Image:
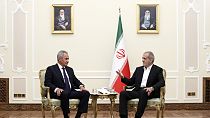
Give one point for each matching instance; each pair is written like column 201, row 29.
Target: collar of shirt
column 61, row 69
column 60, row 66
column 148, row 67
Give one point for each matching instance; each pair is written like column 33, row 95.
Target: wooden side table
column 95, row 96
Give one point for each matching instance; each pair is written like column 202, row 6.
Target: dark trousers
column 83, row 96
column 125, row 96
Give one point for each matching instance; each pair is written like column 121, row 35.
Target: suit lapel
column 151, row 74
column 68, row 72
column 59, row 73
column 141, row 70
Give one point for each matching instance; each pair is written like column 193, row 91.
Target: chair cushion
column 151, row 102
column 56, row 102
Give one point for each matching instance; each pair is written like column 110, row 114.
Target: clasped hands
column 59, row 90
column 147, row 89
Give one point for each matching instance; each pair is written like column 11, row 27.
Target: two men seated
column 147, row 79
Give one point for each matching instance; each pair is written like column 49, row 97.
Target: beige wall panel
column 36, row 89
column 192, row 85
column 172, row 88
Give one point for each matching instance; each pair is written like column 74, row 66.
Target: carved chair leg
column 43, row 110
column 53, row 111
column 158, row 112
column 162, row 111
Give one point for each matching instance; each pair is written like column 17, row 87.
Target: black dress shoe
column 123, row 116
column 78, row 115
column 66, row 116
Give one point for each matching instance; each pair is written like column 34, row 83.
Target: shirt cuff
column 55, row 90
column 81, row 86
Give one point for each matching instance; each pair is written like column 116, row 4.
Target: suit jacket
column 155, row 79
column 54, row 79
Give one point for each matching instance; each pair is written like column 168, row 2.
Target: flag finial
column 119, row 10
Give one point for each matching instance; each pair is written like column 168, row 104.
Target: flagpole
column 119, row 11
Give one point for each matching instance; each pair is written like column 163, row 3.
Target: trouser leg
column 83, row 96
column 143, row 97
column 65, row 103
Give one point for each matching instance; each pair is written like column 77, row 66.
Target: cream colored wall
column 91, row 46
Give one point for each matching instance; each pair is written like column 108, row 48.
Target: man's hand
column 82, row 88
column 59, row 91
column 120, row 74
column 149, row 90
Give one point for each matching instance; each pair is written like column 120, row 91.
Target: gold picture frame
column 62, row 19
column 148, row 18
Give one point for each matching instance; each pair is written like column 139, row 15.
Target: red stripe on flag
column 118, row 86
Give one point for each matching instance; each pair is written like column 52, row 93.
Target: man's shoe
column 123, row 116
column 78, row 115
column 66, row 116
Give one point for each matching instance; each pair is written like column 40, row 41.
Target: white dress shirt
column 145, row 76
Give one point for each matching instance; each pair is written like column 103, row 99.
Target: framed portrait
column 148, row 18
column 62, row 18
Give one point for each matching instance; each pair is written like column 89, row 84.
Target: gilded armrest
column 45, row 92
column 162, row 95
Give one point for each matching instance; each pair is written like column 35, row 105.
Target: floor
column 106, row 114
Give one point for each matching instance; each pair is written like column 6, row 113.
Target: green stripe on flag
column 119, row 32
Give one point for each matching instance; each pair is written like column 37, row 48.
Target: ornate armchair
column 49, row 102
column 158, row 103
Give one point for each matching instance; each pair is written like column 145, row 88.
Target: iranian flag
column 120, row 61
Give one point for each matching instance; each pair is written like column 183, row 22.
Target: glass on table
column 94, row 91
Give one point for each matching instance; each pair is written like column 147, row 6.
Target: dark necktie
column 67, row 86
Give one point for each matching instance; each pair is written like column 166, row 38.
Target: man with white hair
column 147, row 21
column 62, row 21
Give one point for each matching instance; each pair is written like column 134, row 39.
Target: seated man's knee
column 123, row 93
column 86, row 93
column 64, row 95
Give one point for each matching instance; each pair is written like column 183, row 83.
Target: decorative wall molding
column 13, row 89
column 198, row 88
column 19, row 10
column 206, row 44
column 34, row 89
column 4, row 46
column 191, row 68
column 175, row 90
column 1, row 64
column 208, row 62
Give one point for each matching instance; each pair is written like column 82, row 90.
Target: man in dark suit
column 62, row 82
column 147, row 79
